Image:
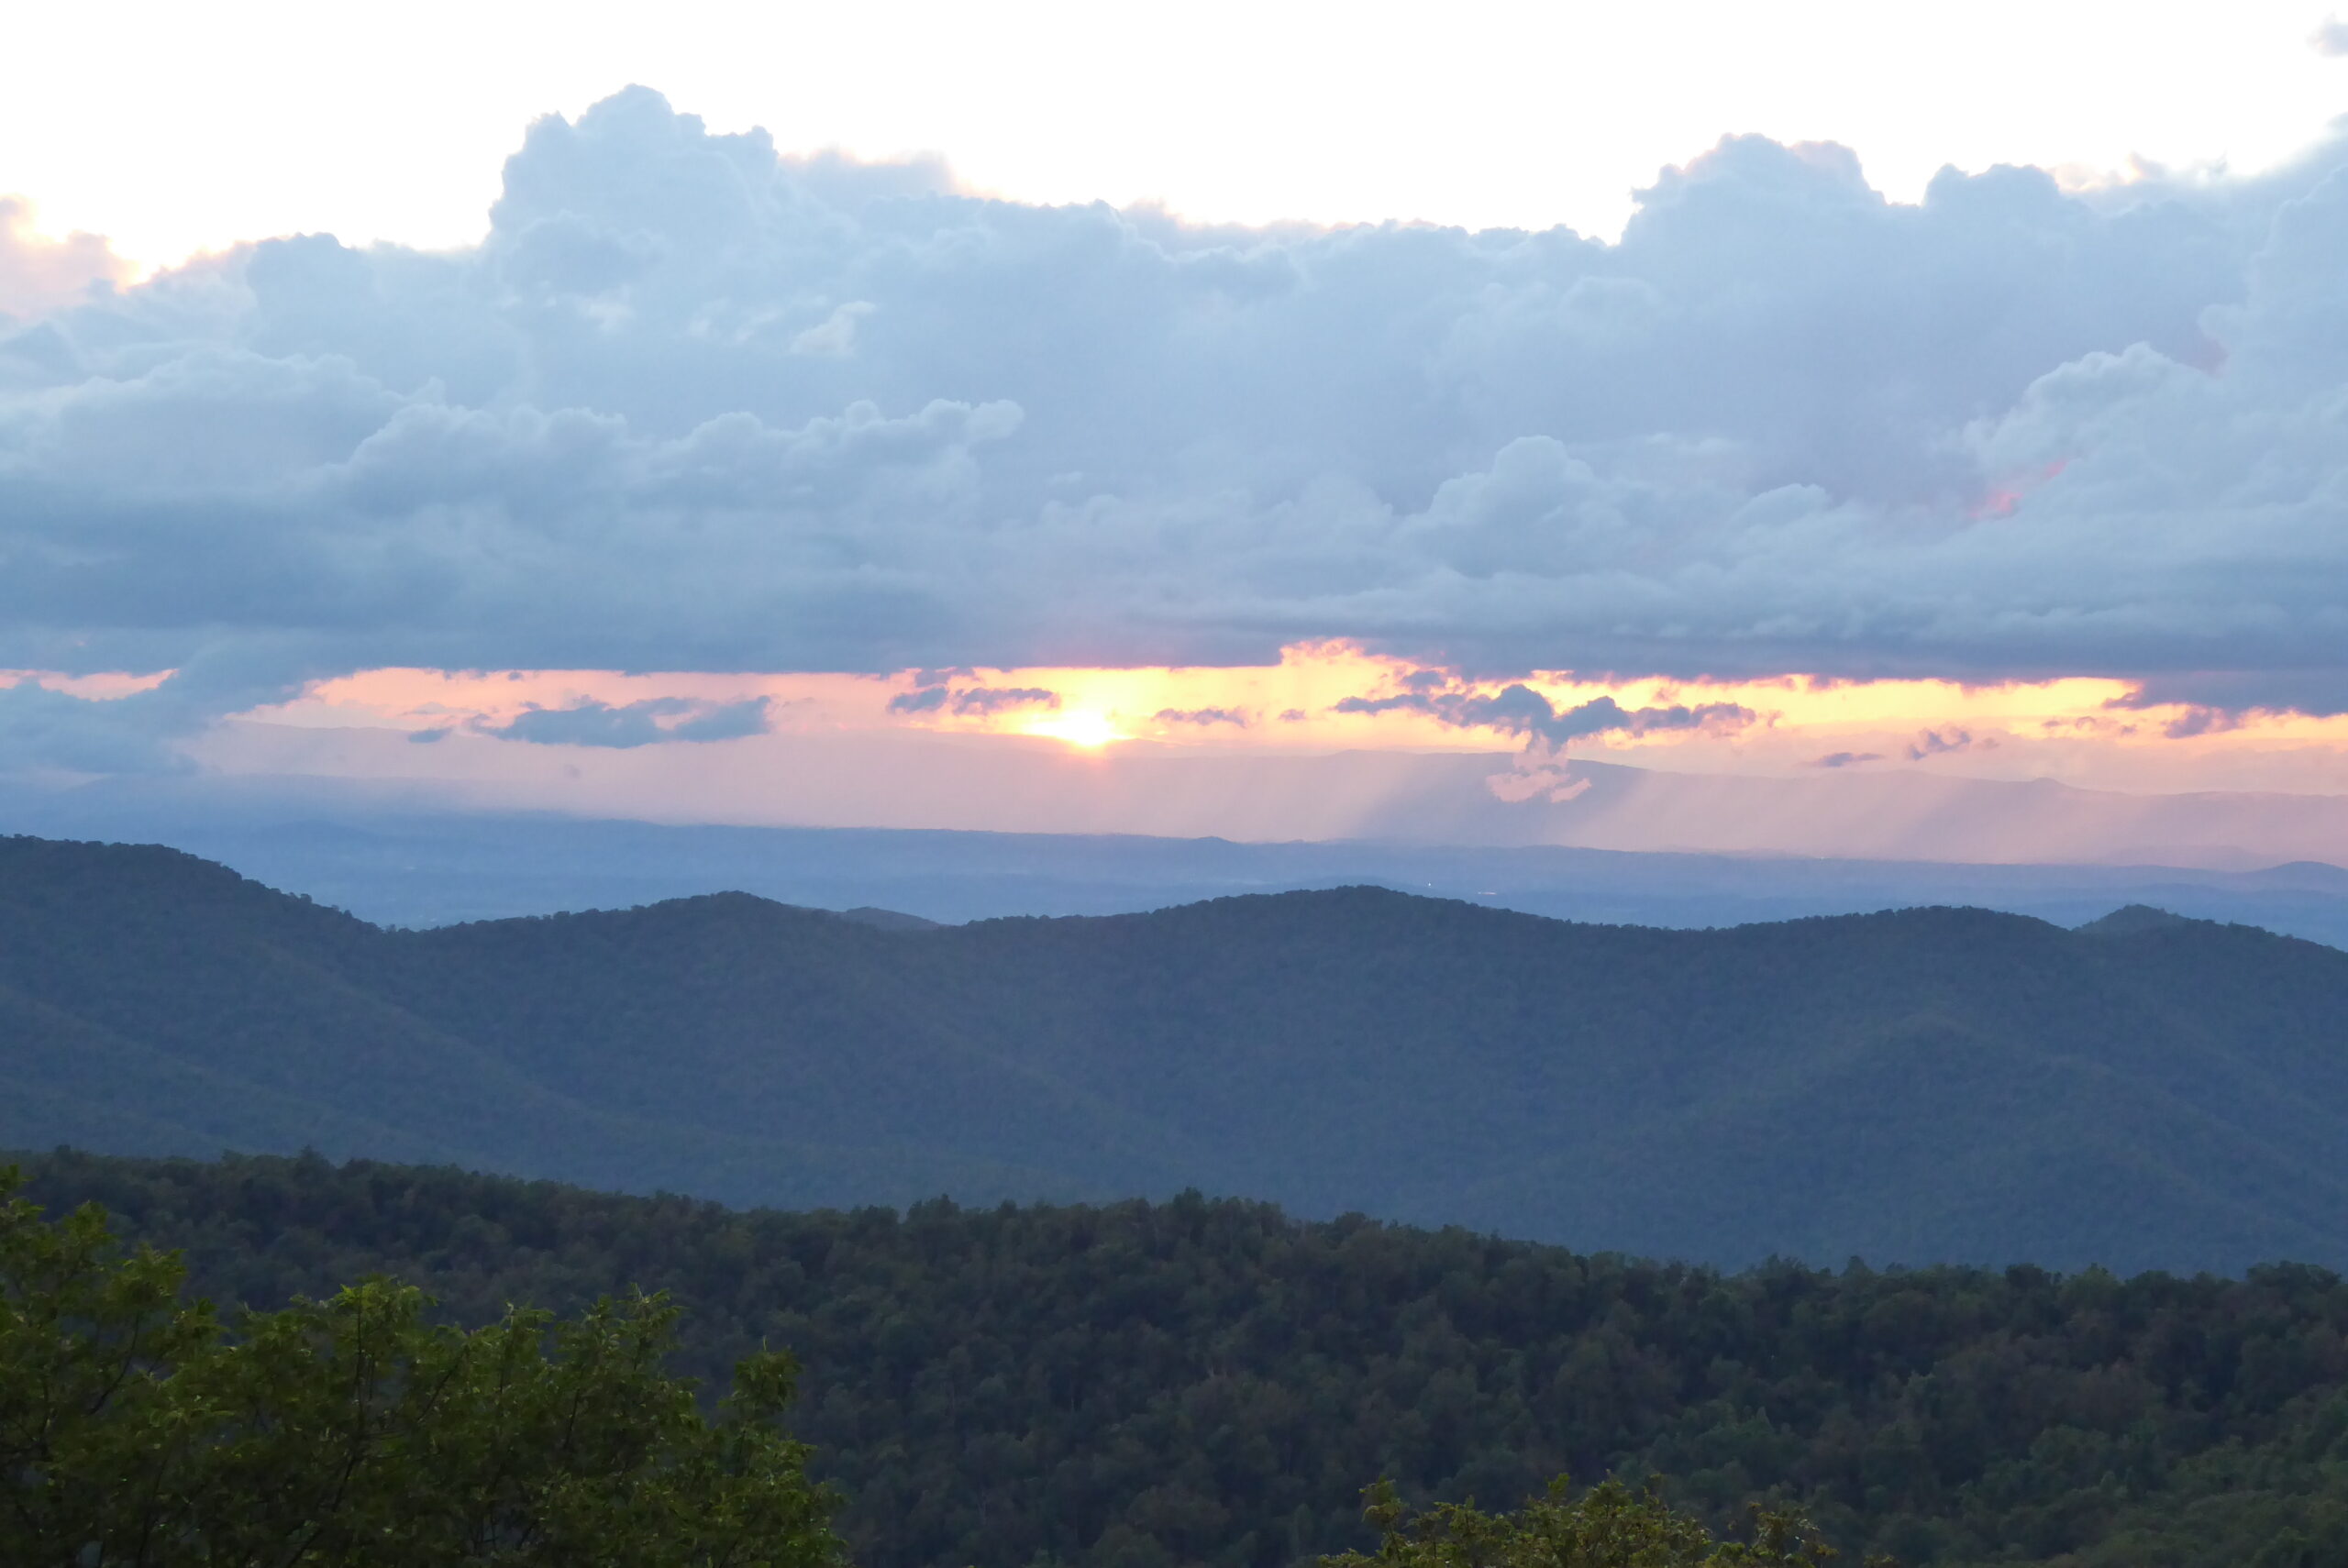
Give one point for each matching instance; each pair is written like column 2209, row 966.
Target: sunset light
column 1249, row 746
column 1793, row 470
column 1087, row 731
column 1333, row 697
column 1262, row 756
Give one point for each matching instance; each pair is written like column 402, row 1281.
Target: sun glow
column 2084, row 731
column 1088, row 730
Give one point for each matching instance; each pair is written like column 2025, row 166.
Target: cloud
column 834, row 335
column 1202, row 717
column 650, row 722
column 52, row 731
column 1537, row 776
column 1940, row 742
column 39, row 275
column 973, row 701
column 1519, row 710
column 1845, row 759
column 2200, row 721
column 976, row 699
column 928, row 700
column 2320, row 692
column 2329, row 37
column 43, row 730
column 691, row 405
column 925, row 700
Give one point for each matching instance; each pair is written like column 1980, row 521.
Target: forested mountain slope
column 1145, row 1386
column 1935, row 1084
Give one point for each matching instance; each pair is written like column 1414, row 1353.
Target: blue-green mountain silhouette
column 1929, row 1085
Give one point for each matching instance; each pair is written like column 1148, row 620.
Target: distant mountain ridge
column 422, row 868
column 1938, row 1084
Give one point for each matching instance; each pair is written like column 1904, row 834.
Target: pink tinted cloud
column 38, row 275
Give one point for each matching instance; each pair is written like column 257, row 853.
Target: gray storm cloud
column 691, row 405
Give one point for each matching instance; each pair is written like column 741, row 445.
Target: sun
column 1090, row 731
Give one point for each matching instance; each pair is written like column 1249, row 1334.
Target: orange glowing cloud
column 2077, row 729
column 105, row 686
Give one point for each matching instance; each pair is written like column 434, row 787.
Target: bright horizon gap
column 1323, row 698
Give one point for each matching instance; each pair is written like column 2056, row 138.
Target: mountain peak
column 888, row 919
column 2130, row 919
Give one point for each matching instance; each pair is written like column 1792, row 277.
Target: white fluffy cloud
column 692, row 406
column 38, row 275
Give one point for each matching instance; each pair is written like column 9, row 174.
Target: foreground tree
column 137, row 1430
column 1609, row 1526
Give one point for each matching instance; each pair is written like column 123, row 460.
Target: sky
column 1774, row 391
column 173, row 129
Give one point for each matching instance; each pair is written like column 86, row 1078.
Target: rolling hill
column 1930, row 1085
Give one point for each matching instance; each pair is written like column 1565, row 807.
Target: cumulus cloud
column 2330, row 37
column 647, row 722
column 691, row 405
column 39, row 275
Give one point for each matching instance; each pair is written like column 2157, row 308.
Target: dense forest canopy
column 140, row 1429
column 1611, row 1525
column 1918, row 1087
column 1141, row 1385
